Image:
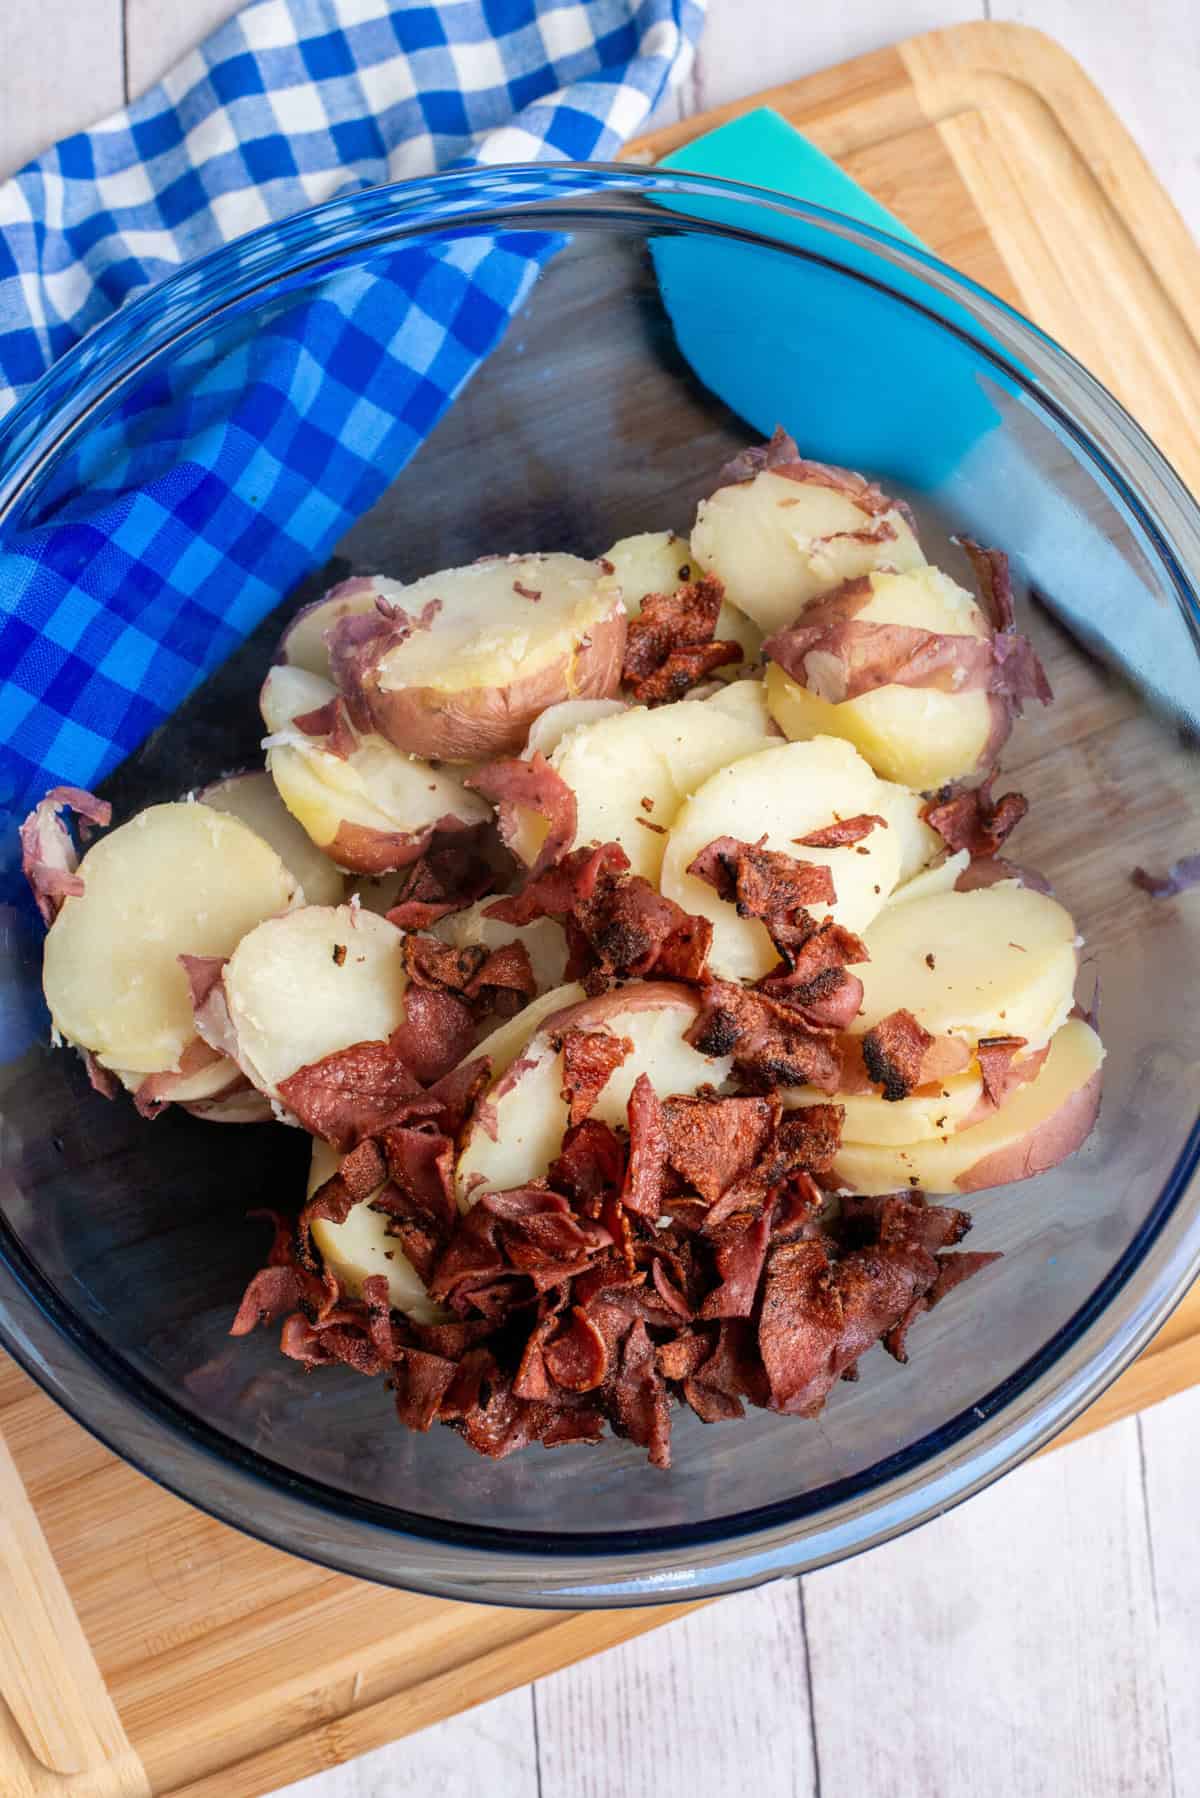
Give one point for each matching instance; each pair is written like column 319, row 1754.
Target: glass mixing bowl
column 665, row 322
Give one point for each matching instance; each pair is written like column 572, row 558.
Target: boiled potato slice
column 782, row 794
column 544, row 939
column 661, row 561
column 361, row 1247
column 510, row 1039
column 922, row 1117
column 1036, row 1128
column 176, row 880
column 940, row 876
column 778, row 543
column 303, row 643
column 500, row 641
column 1003, row 964
column 370, row 811
column 548, row 731
column 293, row 1000
column 657, row 756
column 255, row 800
column 745, row 700
column 518, row 1127
column 205, row 1083
column 919, row 844
column 915, row 735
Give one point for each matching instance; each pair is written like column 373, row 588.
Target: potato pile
column 544, row 843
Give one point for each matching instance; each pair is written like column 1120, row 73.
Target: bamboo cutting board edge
column 202, row 1635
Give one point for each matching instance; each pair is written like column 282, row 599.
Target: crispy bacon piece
column 577, row 1357
column 762, row 882
column 484, row 980
column 590, row 1164
column 450, row 875
column 996, row 1055
column 713, row 1143
column 843, row 832
column 618, row 926
column 590, row 1058
column 642, row 1409
column 1180, row 877
column 771, row 1044
column 669, row 647
column 350, row 1094
column 968, row 817
column 437, row 1032
column 647, row 1150
column 894, row 1052
column 515, row 784
column 740, row 1253
column 49, row 858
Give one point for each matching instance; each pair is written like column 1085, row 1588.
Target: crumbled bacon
column 590, row 1057
column 519, row 784
column 770, row 1044
column 893, row 1052
column 843, row 831
column 450, row 875
column 714, row 1143
column 49, row 858
column 647, row 1150
column 669, row 646
column 765, row 884
column 969, row 818
column 996, row 1055
column 484, row 980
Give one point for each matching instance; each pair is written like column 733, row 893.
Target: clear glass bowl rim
column 160, row 1437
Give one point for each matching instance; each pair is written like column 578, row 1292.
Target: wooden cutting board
column 145, row 1649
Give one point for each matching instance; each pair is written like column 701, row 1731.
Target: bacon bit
column 647, row 1150
column 349, row 1094
column 516, row 783
column 1180, row 877
column 646, row 824
column 646, row 803
column 590, row 1058
column 713, row 1143
column 929, row 961
column 451, row 875
column 483, row 980
column 49, row 858
column 996, row 1055
column 893, row 1053
column 589, row 1166
column 642, row 1409
column 762, row 883
column 844, row 831
column 968, row 818
column 669, row 646
column 339, row 955
column 533, row 593
column 577, row 1358
column 771, row 1045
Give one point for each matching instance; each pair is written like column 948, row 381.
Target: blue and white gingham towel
column 180, row 522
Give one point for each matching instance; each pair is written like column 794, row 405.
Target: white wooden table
column 1044, row 1640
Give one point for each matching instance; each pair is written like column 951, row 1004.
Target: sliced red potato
column 919, row 844
column 518, row 1125
column 304, row 645
column 473, row 655
column 544, row 940
column 547, row 731
column 212, row 1079
column 254, row 799
column 1036, row 1128
column 744, row 700
column 661, row 561
column 941, row 876
column 631, row 772
column 777, row 542
column 294, row 997
column 922, row 1117
column 372, row 811
column 918, row 736
column 999, row 961
column 179, row 879
column 782, row 793
column 361, row 1247
column 510, row 1039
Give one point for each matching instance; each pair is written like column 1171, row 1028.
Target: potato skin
column 1044, row 1148
column 477, row 722
column 365, row 851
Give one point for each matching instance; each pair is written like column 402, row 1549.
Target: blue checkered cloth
column 185, row 514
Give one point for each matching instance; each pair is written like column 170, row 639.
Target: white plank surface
column 1041, row 1642
column 714, row 1704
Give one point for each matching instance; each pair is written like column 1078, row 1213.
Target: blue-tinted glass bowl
column 671, row 321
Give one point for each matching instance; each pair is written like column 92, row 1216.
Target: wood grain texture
column 1169, row 1437
column 1008, row 1647
column 716, row 1703
column 62, row 70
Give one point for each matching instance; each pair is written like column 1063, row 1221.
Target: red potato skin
column 1049, row 1144
column 361, row 850
column 339, row 602
column 238, row 1104
column 477, row 722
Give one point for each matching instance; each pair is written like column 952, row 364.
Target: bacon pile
column 691, row 1259
column 670, row 648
